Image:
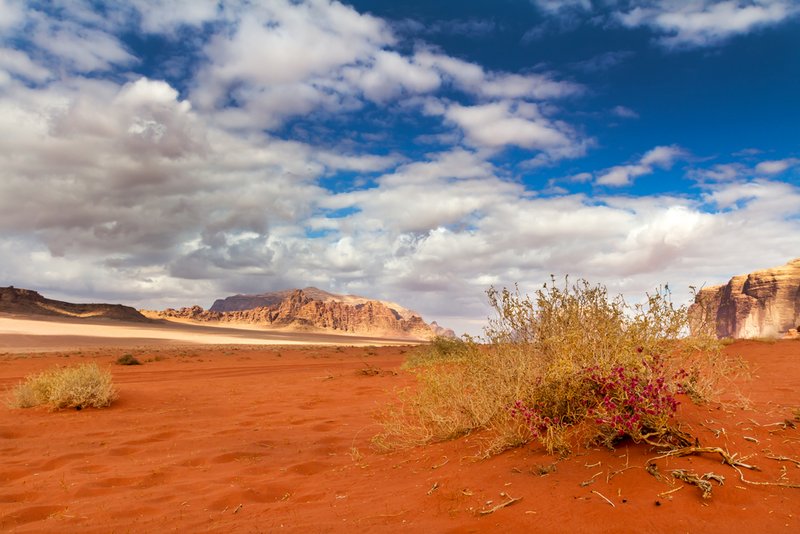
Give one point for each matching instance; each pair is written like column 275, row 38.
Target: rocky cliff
column 760, row 304
column 313, row 309
column 27, row 302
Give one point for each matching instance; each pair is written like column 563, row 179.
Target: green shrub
column 128, row 359
column 81, row 386
column 569, row 364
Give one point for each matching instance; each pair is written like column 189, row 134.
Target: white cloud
column 81, row 47
column 11, row 13
column 505, row 123
column 474, row 80
column 624, row 112
column 127, row 189
column 284, row 58
column 776, row 166
column 693, row 23
column 660, row 156
column 164, row 16
column 390, row 75
column 557, row 6
column 20, row 64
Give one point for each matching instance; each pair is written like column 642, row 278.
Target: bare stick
column 727, row 458
column 237, row 509
column 664, row 494
column 754, row 483
column 437, row 466
column 511, row 500
column 783, row 459
column 604, row 498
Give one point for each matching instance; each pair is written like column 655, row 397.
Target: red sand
column 267, row 439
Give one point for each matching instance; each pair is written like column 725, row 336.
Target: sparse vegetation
column 80, row 386
column 128, row 359
column 570, row 365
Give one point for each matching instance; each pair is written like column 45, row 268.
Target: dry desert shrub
column 569, row 364
column 80, row 386
column 128, row 359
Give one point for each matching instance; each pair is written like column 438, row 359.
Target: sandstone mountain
column 763, row 303
column 313, row 309
column 27, row 302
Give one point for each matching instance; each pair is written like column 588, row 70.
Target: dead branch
column 437, row 466
column 783, row 459
column 511, row 500
column 652, row 469
column 701, row 482
column 755, row 483
column 665, row 493
column 604, row 498
column 727, row 458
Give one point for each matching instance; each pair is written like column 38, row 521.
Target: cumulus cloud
column 558, row 6
column 624, row 112
column 11, row 13
column 729, row 172
column 475, row 80
column 20, row 65
column 164, row 16
column 621, row 175
column 706, row 22
column 117, row 186
column 512, row 123
column 81, row 47
column 776, row 166
column 677, row 23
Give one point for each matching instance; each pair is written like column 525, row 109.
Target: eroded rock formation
column 313, row 309
column 27, row 302
column 764, row 303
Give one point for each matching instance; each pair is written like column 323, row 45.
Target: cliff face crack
column 763, row 303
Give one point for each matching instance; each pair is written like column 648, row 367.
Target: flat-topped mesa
column 314, row 309
column 763, row 303
column 27, row 302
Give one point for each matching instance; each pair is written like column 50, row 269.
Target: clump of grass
column 439, row 350
column 128, row 359
column 80, row 386
column 567, row 365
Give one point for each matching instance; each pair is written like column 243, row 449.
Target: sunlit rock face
column 763, row 303
column 314, row 309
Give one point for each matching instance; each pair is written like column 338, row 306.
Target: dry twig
column 783, row 459
column 511, row 500
column 727, row 458
column 437, row 466
column 604, row 498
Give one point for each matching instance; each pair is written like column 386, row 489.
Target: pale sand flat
column 29, row 334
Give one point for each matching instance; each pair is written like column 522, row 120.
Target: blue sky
column 169, row 153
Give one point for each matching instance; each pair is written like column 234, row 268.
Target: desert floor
column 246, row 438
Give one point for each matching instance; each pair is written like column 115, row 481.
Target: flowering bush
column 636, row 402
column 569, row 363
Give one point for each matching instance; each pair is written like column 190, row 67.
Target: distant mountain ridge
column 314, row 309
column 248, row 302
column 28, row 302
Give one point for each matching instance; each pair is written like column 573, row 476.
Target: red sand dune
column 271, row 439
